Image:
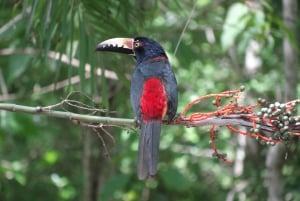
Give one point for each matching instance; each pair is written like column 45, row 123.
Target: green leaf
column 113, row 186
column 16, row 67
column 235, row 22
column 174, row 180
column 51, row 157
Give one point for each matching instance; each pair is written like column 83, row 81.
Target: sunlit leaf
column 236, row 20
column 51, row 157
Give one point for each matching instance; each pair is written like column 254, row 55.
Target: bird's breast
column 153, row 101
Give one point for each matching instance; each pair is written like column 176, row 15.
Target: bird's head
column 141, row 48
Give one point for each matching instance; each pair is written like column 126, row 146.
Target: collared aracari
column 153, row 94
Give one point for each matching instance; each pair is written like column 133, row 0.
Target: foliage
column 41, row 41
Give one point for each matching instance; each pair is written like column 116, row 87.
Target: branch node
column 38, row 109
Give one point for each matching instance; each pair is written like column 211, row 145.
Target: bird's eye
column 137, row 44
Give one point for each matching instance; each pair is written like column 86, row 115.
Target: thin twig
column 185, row 27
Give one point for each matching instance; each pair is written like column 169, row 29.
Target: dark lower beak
column 121, row 45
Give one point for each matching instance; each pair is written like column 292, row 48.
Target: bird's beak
column 121, row 45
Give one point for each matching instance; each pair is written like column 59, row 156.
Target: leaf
column 235, row 22
column 16, row 67
column 114, row 185
column 51, row 157
column 174, row 180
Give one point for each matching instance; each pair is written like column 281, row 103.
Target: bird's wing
column 171, row 89
column 136, row 90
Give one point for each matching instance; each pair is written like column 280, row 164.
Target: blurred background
column 47, row 50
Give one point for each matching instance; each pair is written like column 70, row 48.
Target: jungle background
column 47, row 50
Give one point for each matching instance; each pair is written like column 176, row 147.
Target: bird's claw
column 137, row 122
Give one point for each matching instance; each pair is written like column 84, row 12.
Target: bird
column 153, row 95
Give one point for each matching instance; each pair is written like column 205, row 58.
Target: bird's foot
column 137, row 122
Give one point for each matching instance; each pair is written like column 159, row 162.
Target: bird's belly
column 153, row 101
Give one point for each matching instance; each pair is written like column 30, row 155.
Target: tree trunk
column 290, row 12
column 275, row 156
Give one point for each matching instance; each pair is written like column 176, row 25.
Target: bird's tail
column 148, row 148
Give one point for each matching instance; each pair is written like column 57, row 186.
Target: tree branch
column 237, row 120
column 225, row 120
column 105, row 121
column 273, row 123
